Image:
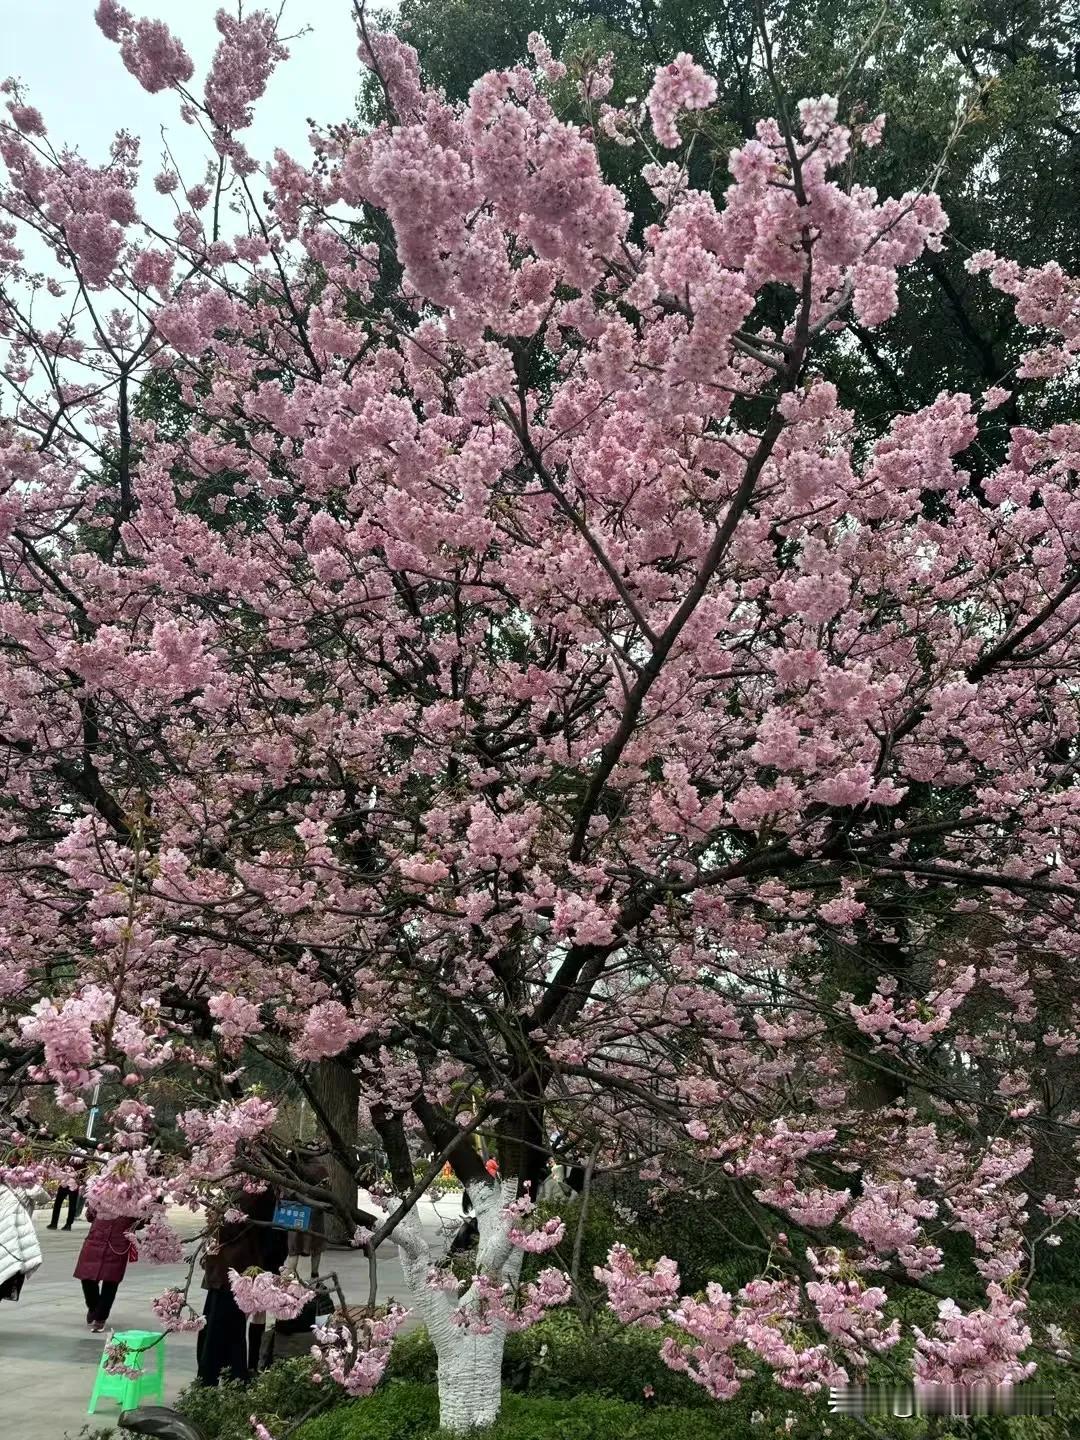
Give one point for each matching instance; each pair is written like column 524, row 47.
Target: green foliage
column 1060, row 1267
column 563, row 1357
column 413, row 1358
column 570, row 1355
column 396, row 1412
column 710, row 1242
column 279, row 1396
column 592, row 1417
column 1063, row 1383
column 410, row 1412
column 407, row 1410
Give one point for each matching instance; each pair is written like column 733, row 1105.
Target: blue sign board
column 290, row 1215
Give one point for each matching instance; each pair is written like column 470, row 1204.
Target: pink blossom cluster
column 764, row 1319
column 159, row 1244
column 174, row 1313
column 984, row 1346
column 887, row 1217
column 66, row 1032
column 355, row 1353
column 243, row 62
column 541, row 1238
column 282, row 1296
column 125, row 1186
column 532, row 1239
column 915, row 1021
column 1046, row 299
column 236, row 1016
column 328, row 1029
column 989, row 1206
column 491, row 1304
column 639, row 1295
column 853, row 1316
column 121, row 1361
column 216, row 1135
column 552, row 69
column 682, row 85
column 26, row 118
column 148, row 48
column 376, row 686
column 765, row 1324
column 775, row 1153
column 815, row 1207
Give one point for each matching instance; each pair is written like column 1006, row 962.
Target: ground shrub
column 398, row 1411
column 406, row 1411
column 279, row 1396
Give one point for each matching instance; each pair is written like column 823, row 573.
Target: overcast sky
column 77, row 80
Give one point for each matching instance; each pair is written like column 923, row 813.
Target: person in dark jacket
column 102, row 1264
column 80, row 1159
column 222, row 1345
column 273, row 1252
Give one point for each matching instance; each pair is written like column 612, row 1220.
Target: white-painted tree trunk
column 470, row 1382
column 469, row 1363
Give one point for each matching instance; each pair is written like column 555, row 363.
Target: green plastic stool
column 144, row 1348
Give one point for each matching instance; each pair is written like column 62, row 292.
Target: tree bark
column 470, row 1381
column 469, row 1363
column 336, row 1100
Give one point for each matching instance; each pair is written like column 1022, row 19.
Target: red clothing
column 104, row 1253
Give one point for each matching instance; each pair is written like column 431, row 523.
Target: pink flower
column 173, row 1312
column 282, row 1296
column 682, row 85
column 26, row 118
column 242, row 65
column 536, row 1242
column 994, row 397
column 328, row 1029
column 637, row 1294
column 818, row 116
column 553, row 70
column 148, row 48
column 872, row 133
column 356, row 1357
column 983, row 1346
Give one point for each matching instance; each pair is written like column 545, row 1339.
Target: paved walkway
column 48, row 1358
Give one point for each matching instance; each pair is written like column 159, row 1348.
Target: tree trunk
column 469, row 1363
column 470, row 1381
column 336, row 1093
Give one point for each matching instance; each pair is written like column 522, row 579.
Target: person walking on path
column 71, row 1193
column 102, row 1264
column 65, row 1192
column 20, row 1253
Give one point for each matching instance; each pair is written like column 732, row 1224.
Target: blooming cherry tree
column 517, row 687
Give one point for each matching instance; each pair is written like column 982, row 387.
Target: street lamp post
column 93, row 1113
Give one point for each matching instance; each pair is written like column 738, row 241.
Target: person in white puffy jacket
column 20, row 1253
